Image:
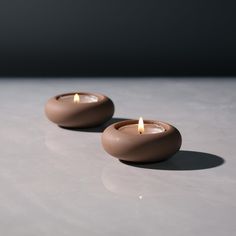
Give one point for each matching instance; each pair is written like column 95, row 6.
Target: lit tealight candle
column 79, row 110
column 78, row 98
column 141, row 141
column 142, row 128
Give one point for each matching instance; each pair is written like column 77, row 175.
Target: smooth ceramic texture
column 79, row 115
column 141, row 148
column 61, row 182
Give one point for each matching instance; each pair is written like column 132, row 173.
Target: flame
column 140, row 125
column 76, row 98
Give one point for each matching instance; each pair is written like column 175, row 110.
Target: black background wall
column 122, row 37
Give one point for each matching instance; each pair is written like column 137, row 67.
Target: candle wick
column 140, row 132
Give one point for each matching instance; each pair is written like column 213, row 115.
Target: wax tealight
column 148, row 129
column 81, row 98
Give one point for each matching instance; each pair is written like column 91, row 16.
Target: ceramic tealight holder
column 138, row 141
column 79, row 110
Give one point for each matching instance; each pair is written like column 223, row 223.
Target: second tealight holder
column 161, row 142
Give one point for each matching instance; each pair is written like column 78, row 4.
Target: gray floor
column 61, row 182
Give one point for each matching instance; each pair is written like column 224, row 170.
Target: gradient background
column 107, row 37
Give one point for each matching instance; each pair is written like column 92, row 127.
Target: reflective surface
column 58, row 181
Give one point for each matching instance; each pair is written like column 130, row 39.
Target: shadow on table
column 98, row 129
column 184, row 160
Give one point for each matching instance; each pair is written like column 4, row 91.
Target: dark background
column 122, row 37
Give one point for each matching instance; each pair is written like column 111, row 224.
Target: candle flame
column 140, row 125
column 76, row 98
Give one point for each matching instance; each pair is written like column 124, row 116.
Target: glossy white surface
column 61, row 182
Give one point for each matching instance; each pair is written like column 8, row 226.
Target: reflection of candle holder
column 79, row 110
column 67, row 143
column 130, row 181
column 124, row 141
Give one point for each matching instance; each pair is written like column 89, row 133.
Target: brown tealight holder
column 138, row 147
column 66, row 113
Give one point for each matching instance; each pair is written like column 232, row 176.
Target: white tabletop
column 56, row 181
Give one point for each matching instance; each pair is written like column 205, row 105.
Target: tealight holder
column 124, row 141
column 79, row 110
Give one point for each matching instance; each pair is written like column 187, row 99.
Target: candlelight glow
column 140, row 125
column 76, row 98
